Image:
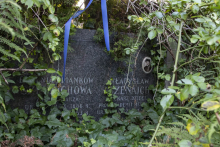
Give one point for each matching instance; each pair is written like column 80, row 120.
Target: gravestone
column 89, row 67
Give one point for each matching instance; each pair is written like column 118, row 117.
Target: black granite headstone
column 89, row 67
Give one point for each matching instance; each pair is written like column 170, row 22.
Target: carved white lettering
column 70, row 81
column 125, row 105
column 146, row 81
column 89, row 91
column 100, row 112
column 128, row 89
column 76, row 90
column 80, row 81
column 122, row 89
column 117, row 88
column 83, row 89
column 85, row 80
column 122, row 98
column 90, row 80
column 142, row 90
column 75, row 80
column 102, row 105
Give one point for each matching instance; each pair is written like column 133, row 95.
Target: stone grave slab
column 88, row 68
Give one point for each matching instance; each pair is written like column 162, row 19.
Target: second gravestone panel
column 88, row 68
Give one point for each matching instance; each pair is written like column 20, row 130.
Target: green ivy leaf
column 152, row 34
column 30, row 90
column 53, row 123
column 112, row 137
column 51, row 9
column 29, row 80
column 36, row 2
column 8, row 97
column 53, row 18
column 51, row 70
column 151, row 28
column 185, row 143
column 2, row 119
column 195, row 9
column 183, row 15
column 47, row 3
column 168, row 91
column 210, row 105
column 111, row 105
column 128, row 52
column 53, row 78
column 184, row 94
column 35, row 132
column 93, row 141
column 184, row 82
column 82, row 139
column 66, row 114
column 109, row 83
column 15, row 89
column 9, row 135
column 167, row 101
column 153, row 115
column 59, row 73
column 206, row 50
column 159, row 14
column 52, row 102
column 29, row 3
column 198, row 79
column 167, row 77
column 193, row 90
column 174, row 87
column 64, row 94
column 200, row 20
column 197, row 1
column 213, row 39
column 58, row 79
column 192, row 127
column 193, row 40
column 148, row 128
column 201, row 85
column 175, row 13
column 22, row 113
column 48, row 36
column 54, row 93
column 51, row 86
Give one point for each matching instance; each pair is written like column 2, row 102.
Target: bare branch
column 4, row 78
column 17, row 69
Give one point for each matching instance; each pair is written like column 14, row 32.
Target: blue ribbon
column 67, row 30
column 105, row 23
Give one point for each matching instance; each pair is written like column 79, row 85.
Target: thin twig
column 218, row 117
column 4, row 77
column 17, row 69
column 28, row 56
column 196, row 59
column 39, row 19
column 169, row 51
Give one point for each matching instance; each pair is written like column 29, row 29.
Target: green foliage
column 190, row 108
column 110, row 98
column 9, row 49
